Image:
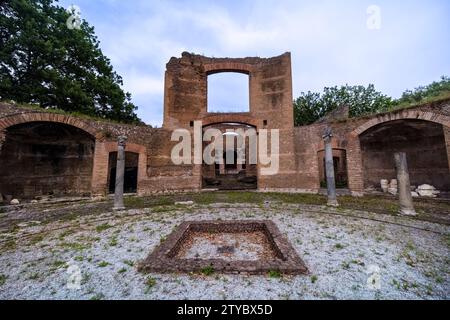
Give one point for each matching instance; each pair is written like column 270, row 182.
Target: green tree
column 310, row 107
column 44, row 62
column 435, row 89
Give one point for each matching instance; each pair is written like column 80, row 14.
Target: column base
column 408, row 212
column 118, row 208
column 332, row 203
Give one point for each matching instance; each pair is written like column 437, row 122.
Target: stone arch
column 16, row 119
column 400, row 115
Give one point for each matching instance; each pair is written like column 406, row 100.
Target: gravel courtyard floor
column 351, row 254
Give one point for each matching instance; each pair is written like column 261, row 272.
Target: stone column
column 120, row 172
column 329, row 169
column 404, row 186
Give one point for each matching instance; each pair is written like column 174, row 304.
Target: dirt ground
column 362, row 250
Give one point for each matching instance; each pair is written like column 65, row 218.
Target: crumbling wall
column 185, row 101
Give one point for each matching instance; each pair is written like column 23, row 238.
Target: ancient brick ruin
column 51, row 153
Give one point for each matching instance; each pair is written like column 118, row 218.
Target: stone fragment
column 384, row 184
column 184, row 203
column 426, row 190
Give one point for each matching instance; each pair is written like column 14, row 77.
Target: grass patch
column 145, row 202
column 75, row 246
column 129, row 262
column 113, row 242
column 9, row 245
column 33, row 276
column 103, row 264
column 2, row 279
column 103, row 227
column 59, row 264
column 314, row 279
column 98, row 296
column 164, row 208
column 207, row 271
column 36, row 239
column 37, row 107
column 274, row 274
column 149, row 283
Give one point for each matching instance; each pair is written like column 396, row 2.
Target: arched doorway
column 131, row 172
column 340, row 168
column 46, row 158
column 235, row 171
column 425, row 147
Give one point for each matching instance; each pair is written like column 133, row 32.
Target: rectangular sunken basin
column 244, row 246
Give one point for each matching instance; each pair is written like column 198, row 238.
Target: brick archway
column 229, row 66
column 16, row 119
column 403, row 114
column 243, row 118
column 46, row 153
column 354, row 149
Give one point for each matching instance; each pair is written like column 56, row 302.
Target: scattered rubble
column 427, row 190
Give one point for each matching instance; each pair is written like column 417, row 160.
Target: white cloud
column 329, row 40
column 141, row 84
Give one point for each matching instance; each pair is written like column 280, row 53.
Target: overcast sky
column 330, row 42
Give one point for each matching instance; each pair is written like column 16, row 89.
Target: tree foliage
column 421, row 93
column 44, row 62
column 312, row 106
